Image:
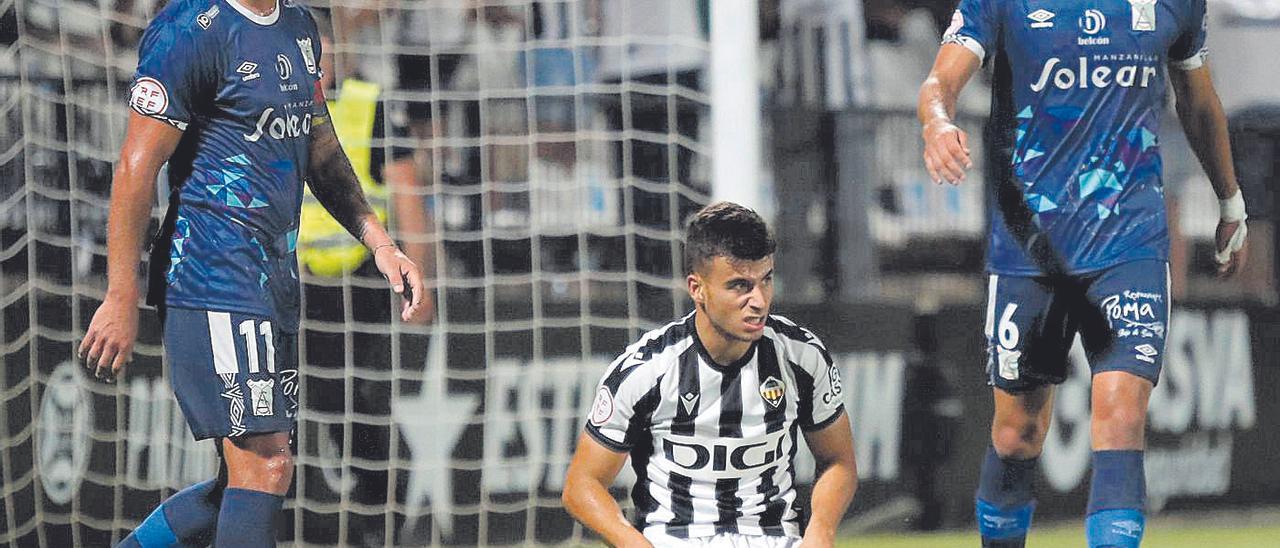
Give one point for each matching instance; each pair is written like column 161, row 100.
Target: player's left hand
column 811, row 540
column 399, row 270
column 1231, row 247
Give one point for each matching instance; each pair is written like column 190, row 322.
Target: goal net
column 556, row 146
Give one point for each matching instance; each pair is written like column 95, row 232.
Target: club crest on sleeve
column 602, row 409
column 149, row 97
column 308, row 54
column 262, row 397
column 773, row 391
column 833, row 375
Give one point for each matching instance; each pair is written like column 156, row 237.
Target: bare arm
column 586, row 493
column 1205, row 125
column 334, row 184
column 413, row 221
column 946, row 147
column 108, row 344
column 832, row 448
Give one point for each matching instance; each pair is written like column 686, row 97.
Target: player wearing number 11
column 227, row 91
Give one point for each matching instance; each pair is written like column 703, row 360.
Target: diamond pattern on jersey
column 231, row 186
column 177, row 251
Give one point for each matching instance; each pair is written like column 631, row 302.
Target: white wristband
column 1231, row 210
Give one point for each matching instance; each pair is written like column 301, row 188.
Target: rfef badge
column 1143, row 15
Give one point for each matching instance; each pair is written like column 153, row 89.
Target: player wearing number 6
column 710, row 409
column 1079, row 238
column 227, row 92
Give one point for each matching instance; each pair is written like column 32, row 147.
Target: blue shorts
column 1121, row 319
column 233, row 374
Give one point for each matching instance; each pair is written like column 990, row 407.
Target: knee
column 1021, row 440
column 1118, row 427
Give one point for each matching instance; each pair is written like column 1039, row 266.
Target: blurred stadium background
column 557, row 146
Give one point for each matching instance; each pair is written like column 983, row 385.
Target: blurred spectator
column 823, row 55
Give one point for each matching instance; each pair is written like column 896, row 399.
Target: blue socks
column 1005, row 503
column 248, row 519
column 1117, row 496
column 185, row 519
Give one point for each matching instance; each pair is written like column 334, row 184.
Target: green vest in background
column 324, row 246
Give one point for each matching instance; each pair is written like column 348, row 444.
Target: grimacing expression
column 735, row 294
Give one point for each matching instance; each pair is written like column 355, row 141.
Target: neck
column 722, row 349
column 260, row 7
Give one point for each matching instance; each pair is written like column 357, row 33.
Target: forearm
column 336, row 187
column 937, row 101
column 590, row 502
column 1205, row 125
column 412, row 218
column 129, row 212
column 832, row 494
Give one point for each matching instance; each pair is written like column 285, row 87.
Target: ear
column 697, row 290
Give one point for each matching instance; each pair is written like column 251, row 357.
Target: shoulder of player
column 653, row 354
column 798, row 342
column 188, row 15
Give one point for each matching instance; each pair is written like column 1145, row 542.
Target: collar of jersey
column 706, row 356
column 264, row 20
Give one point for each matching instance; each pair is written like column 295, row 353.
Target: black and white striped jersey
column 713, row 447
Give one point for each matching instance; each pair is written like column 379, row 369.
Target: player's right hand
column 946, row 152
column 107, row 347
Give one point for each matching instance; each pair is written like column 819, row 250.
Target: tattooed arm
column 335, row 185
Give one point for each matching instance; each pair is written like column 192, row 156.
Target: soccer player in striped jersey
column 1079, row 89
column 227, row 92
column 710, row 409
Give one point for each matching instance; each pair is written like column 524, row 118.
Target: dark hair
column 726, row 229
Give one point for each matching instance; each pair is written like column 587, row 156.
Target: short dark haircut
column 726, row 229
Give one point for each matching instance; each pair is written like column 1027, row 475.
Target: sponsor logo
column 837, row 387
column 1146, row 353
column 1142, row 15
column 1084, row 75
column 726, row 457
column 283, row 67
column 262, row 396
column 773, row 390
column 280, row 127
column 62, row 439
column 690, row 402
column 1092, row 22
column 250, row 71
column 308, row 54
column 602, row 409
column 999, row 522
column 149, row 97
column 1134, row 314
column 205, row 19
column 1041, row 19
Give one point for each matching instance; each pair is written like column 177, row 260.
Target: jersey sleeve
column 827, row 398
column 173, row 73
column 1189, row 51
column 974, row 25
column 620, row 399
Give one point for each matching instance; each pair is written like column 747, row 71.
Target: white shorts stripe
column 992, row 282
column 223, row 343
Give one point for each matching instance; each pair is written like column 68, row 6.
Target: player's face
column 734, row 295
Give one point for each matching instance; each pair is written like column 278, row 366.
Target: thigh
column 232, row 374
column 1134, row 299
column 1029, row 330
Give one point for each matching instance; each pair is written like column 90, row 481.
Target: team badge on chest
column 773, row 391
column 1143, row 15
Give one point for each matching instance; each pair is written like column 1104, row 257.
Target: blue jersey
column 243, row 88
column 1081, row 85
